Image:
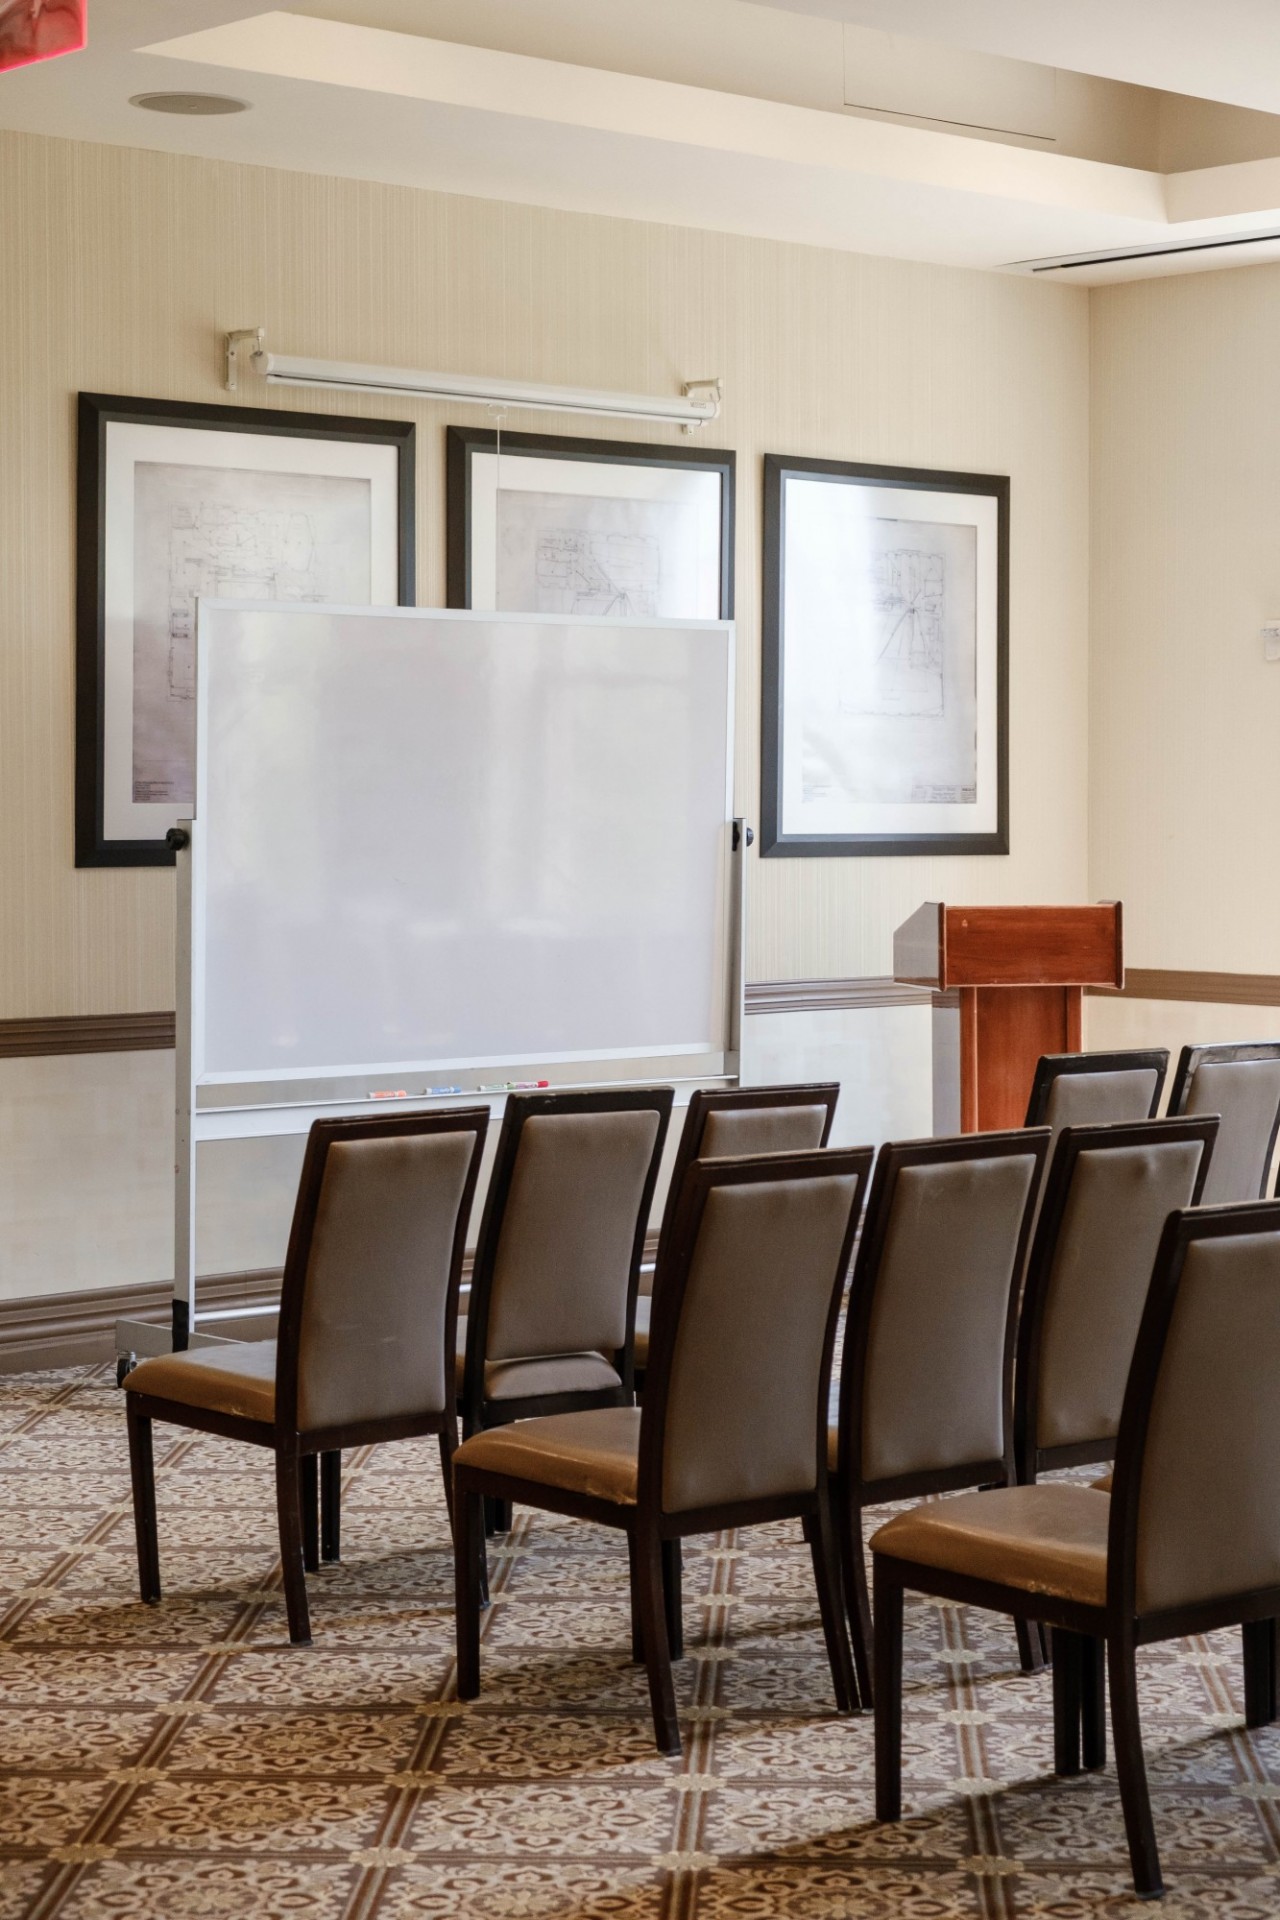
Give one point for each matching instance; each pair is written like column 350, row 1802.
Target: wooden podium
column 1020, row 972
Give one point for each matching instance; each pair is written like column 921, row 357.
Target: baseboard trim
column 77, row 1329
column 85, row 1033
column 1172, row 983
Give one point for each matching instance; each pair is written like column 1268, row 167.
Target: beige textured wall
column 1185, row 713
column 120, row 271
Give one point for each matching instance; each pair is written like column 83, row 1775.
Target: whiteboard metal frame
column 195, row 1124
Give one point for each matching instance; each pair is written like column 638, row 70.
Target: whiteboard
column 442, row 840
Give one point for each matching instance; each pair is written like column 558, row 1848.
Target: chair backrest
column 1195, row 1512
column 1089, row 1089
column 745, row 1311
column 729, row 1122
column 558, row 1253
column 369, row 1299
column 1241, row 1082
column 926, row 1384
column 1107, row 1195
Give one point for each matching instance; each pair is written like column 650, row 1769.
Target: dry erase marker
column 524, row 1086
column 392, row 1093
column 437, row 1090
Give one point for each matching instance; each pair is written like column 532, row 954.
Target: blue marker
column 437, row 1090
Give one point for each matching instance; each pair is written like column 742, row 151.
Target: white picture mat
column 823, row 545
column 616, row 492
column 127, row 445
column 434, row 840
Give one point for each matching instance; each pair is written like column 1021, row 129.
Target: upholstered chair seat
column 1186, row 1542
column 1049, row 1539
column 593, row 1453
column 238, row 1379
column 542, row 1376
column 733, row 1427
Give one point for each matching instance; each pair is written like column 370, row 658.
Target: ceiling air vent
column 1116, row 256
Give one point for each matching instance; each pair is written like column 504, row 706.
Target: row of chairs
column 944, row 1385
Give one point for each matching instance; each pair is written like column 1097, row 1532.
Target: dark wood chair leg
column 826, row 1574
column 142, row 1473
column 1131, row 1767
column 331, row 1506
column 289, row 1514
column 1031, row 1656
column 653, row 1633
column 673, row 1597
column 497, row 1516
column 468, row 1562
column 853, row 1571
column 888, row 1645
column 1066, row 1703
column 1093, row 1703
column 448, row 1447
column 1259, row 1638
column 308, row 1494
column 633, row 1572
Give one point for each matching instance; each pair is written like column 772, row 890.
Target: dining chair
column 366, row 1332
column 1107, row 1194
column 1188, row 1542
column 731, row 1121
column 733, row 1429
column 1240, row 1081
column 926, row 1384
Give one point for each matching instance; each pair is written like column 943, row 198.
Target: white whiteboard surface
column 443, row 840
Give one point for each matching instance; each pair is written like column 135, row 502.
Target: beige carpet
column 182, row 1760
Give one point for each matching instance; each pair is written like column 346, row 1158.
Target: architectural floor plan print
column 581, row 572
column 227, row 534
column 909, row 593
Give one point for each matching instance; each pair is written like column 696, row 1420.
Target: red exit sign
column 40, row 29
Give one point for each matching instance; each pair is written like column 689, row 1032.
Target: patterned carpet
column 161, row 1763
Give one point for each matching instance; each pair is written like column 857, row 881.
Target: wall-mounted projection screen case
column 442, row 840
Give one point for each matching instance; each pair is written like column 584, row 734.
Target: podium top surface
column 941, row 947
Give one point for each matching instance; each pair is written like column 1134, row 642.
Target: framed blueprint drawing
column 539, row 523
column 176, row 501
column 886, row 660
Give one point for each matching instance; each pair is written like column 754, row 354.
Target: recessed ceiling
column 713, row 113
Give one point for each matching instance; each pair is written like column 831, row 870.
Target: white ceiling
column 1217, row 49
column 708, row 113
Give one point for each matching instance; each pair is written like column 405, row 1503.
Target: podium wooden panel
column 1020, row 973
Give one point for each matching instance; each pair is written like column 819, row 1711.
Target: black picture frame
column 463, row 443
column 774, row 843
column 95, row 414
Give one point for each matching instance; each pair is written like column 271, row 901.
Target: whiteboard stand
column 137, row 1339
column 304, row 935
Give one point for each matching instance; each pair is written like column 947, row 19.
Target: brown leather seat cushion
column 1103, row 1485
column 239, row 1379
column 593, row 1452
column 543, row 1373
column 1050, row 1538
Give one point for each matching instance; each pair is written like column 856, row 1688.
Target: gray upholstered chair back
column 1117, row 1199
column 747, row 1375
column 934, row 1369
column 1092, row 1099
column 741, row 1130
column 371, row 1337
column 1208, row 1507
column 563, row 1261
column 1245, row 1091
